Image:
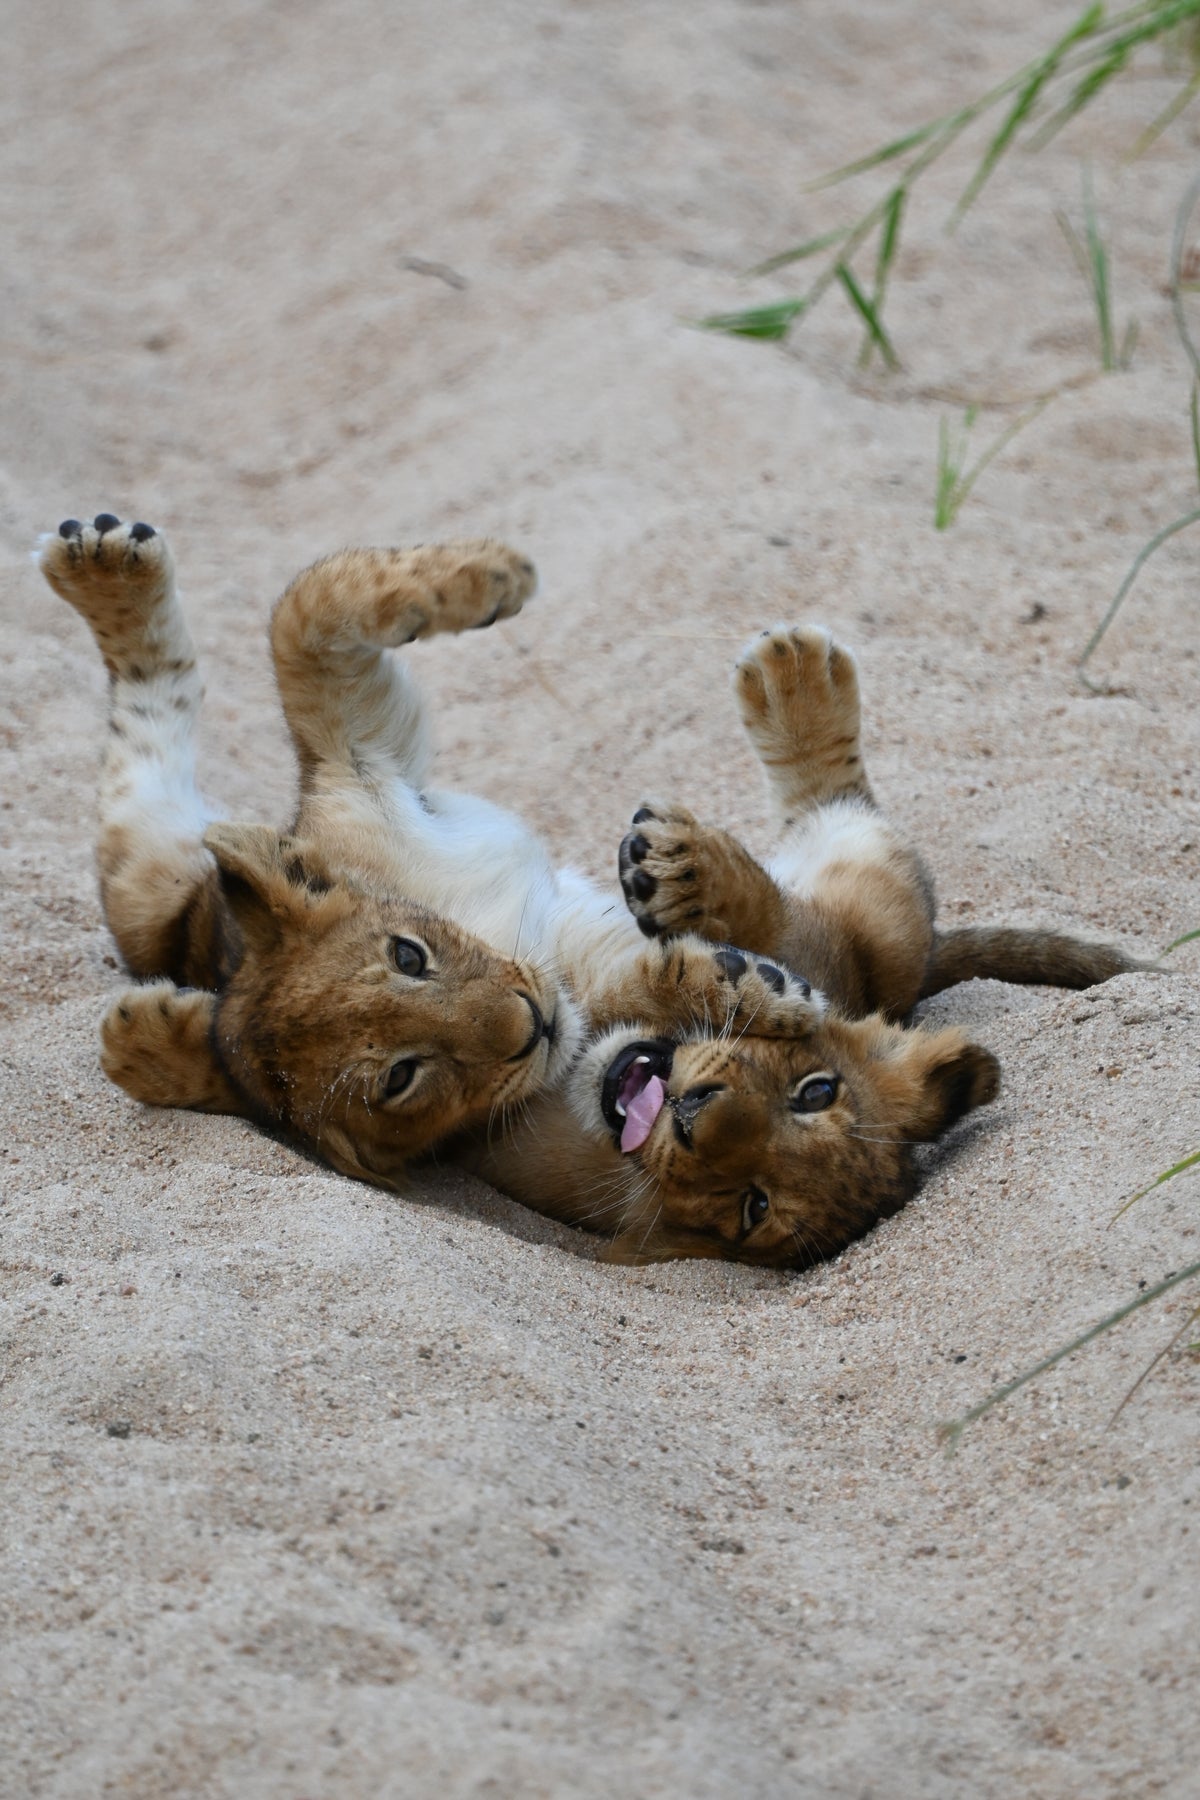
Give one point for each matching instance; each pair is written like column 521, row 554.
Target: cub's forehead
column 387, row 916
column 785, row 1060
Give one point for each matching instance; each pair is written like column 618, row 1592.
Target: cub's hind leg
column 797, row 689
column 157, row 881
column 860, row 900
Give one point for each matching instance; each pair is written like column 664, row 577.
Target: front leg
column 685, row 984
column 678, row 875
column 349, row 705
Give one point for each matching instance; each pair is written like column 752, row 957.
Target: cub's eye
column 755, row 1207
column 815, row 1094
column 399, row 1077
column 408, row 957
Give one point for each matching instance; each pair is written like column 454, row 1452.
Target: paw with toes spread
column 735, row 993
column 797, row 689
column 115, row 575
column 664, row 866
column 678, row 875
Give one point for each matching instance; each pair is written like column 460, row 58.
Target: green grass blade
column 1023, row 105
column 1179, row 1168
column 889, row 241
column 1017, row 115
column 812, row 247
column 948, row 464
column 1183, row 217
column 1083, row 92
column 1098, row 266
column 1188, row 937
column 1090, row 23
column 868, row 314
column 1074, row 245
column 1166, row 117
column 1129, row 343
column 1125, row 34
column 950, row 1432
column 964, row 483
column 767, row 323
column 1143, row 555
column 1153, row 1364
column 886, row 153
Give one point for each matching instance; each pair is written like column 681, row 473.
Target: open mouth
column 633, row 1091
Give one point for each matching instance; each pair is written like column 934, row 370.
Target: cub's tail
column 1033, row 958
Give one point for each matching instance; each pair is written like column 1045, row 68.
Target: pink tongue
column 641, row 1113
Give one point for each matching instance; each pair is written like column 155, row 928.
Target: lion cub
column 406, row 969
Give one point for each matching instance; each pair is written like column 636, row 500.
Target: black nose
column 687, row 1106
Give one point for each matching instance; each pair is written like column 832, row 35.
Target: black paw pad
column 774, row 978
column 731, row 963
column 105, row 522
column 637, row 848
column 70, row 528
column 642, row 885
column 641, row 815
column 140, row 532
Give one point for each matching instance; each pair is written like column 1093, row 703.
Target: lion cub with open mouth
column 406, row 969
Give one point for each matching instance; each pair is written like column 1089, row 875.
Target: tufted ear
column 266, row 879
column 156, row 1043
column 931, row 1079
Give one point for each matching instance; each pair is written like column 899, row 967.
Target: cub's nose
column 686, row 1107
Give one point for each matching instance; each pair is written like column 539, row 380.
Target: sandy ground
column 309, row 1491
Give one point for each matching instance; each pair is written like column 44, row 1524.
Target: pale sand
column 416, row 1500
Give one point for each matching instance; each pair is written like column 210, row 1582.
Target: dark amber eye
column 755, row 1207
column 399, row 1077
column 815, row 1094
column 408, row 957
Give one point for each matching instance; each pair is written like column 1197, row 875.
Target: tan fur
column 798, row 695
column 405, row 970
column 729, row 1126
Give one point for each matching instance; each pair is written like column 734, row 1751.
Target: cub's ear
column 156, row 1043
column 266, row 878
column 932, row 1078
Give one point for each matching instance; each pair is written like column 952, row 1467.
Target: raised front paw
column 471, row 583
column 729, row 992
column 114, row 574
column 761, row 998
column 662, row 863
column 797, row 689
column 678, row 875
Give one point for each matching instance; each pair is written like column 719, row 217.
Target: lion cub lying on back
column 406, row 969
